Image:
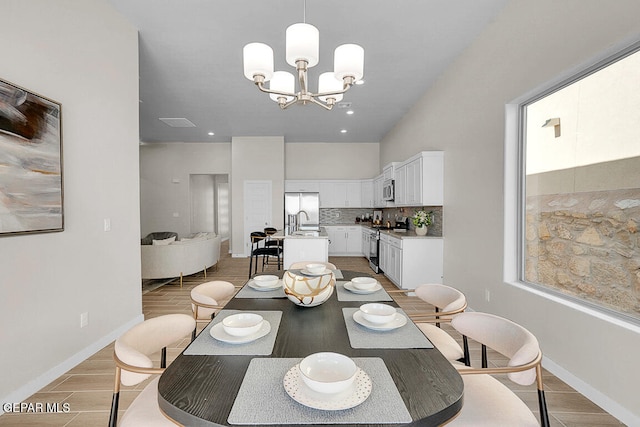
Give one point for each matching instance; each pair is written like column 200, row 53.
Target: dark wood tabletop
column 200, row 390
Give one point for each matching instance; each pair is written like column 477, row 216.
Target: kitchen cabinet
column 377, row 192
column 391, row 258
column 340, row 194
column 400, row 185
column 366, row 194
column 409, row 262
column 366, row 242
column 305, row 186
column 388, row 170
column 345, row 240
column 419, row 180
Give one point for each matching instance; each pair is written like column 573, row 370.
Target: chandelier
column 302, row 52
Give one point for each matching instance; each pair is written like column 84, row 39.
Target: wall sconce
column 555, row 122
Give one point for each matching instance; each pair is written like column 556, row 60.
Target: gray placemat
column 248, row 292
column 206, row 345
column 345, row 295
column 407, row 336
column 262, row 398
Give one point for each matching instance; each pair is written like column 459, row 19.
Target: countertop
column 302, row 234
column 409, row 234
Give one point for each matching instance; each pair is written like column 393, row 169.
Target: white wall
column 84, row 55
column 160, row 196
column 255, row 158
column 463, row 114
column 163, row 163
column 325, row 160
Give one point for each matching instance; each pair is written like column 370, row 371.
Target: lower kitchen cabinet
column 410, row 262
column 345, row 240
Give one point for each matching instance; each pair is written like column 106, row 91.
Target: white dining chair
column 447, row 302
column 132, row 353
column 206, row 299
column 487, row 401
column 303, row 264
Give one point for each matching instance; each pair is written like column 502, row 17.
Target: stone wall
column 587, row 245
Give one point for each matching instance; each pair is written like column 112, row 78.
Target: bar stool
column 264, row 251
column 272, row 243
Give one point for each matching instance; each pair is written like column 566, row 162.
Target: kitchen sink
column 306, row 233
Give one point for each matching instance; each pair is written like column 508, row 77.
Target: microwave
column 387, row 190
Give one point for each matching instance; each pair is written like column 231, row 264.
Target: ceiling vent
column 179, row 122
column 343, row 105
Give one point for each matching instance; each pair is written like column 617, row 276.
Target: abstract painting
column 30, row 162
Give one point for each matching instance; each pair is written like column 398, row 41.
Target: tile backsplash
column 331, row 216
column 339, row 216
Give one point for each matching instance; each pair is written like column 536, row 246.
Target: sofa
column 163, row 255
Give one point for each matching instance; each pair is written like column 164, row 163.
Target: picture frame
column 31, row 178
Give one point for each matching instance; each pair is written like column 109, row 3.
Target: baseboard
column 37, row 384
column 605, row 402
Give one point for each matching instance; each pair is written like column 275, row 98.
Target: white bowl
column 307, row 291
column 378, row 313
column 316, row 268
column 265, row 280
column 242, row 324
column 364, row 283
column 328, row 372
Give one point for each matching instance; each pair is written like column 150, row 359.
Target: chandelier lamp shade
column 302, row 52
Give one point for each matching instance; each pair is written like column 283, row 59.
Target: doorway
column 209, row 197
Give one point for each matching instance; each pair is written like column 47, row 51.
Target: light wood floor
column 88, row 387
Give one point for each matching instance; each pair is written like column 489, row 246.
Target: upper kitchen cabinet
column 340, row 194
column 366, row 194
column 301, row 186
column 420, row 180
column 378, row 202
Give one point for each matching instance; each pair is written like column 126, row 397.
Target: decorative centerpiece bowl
column 308, row 291
column 328, row 372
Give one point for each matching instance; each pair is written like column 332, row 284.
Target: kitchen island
column 304, row 245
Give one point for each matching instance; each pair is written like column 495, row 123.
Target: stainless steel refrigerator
column 301, row 211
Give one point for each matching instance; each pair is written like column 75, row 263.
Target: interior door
column 257, row 209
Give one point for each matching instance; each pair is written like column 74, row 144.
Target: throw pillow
column 164, row 242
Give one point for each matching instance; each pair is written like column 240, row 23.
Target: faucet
column 298, row 217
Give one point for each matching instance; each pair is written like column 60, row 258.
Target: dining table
column 403, row 380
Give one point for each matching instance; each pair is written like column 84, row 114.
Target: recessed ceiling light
column 211, row 134
column 343, row 131
column 360, row 82
column 350, row 112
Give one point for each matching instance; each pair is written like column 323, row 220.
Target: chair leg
column 250, row 264
column 113, row 417
column 484, row 356
column 542, row 402
column 193, row 334
column 467, row 356
column 544, row 413
column 163, row 358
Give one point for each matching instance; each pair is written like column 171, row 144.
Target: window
column 580, row 177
